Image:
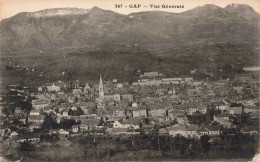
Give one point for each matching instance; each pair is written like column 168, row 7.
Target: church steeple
column 101, row 89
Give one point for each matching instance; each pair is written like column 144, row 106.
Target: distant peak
column 96, row 11
column 202, row 10
column 211, row 6
column 58, row 11
column 95, row 8
column 243, row 10
column 236, row 6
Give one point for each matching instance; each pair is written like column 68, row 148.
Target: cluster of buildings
column 155, row 78
column 112, row 108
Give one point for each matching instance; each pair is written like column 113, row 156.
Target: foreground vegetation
column 143, row 147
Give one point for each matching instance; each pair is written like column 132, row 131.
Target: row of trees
column 199, row 118
column 168, row 148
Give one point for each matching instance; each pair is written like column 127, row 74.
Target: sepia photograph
column 129, row 80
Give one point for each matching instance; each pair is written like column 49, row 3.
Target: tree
column 204, row 141
column 67, row 123
column 49, row 123
column 155, row 137
column 211, row 112
column 194, row 148
column 180, row 144
column 26, row 146
column 77, row 112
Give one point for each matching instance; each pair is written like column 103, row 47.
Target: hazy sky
column 9, row 8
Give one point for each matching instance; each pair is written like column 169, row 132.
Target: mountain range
column 70, row 29
column 71, row 43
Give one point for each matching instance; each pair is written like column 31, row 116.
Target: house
column 90, row 104
column 18, row 111
column 85, row 110
column 39, row 89
column 220, row 117
column 193, row 92
column 89, row 124
column 163, row 131
column 1, row 109
column 33, row 126
column 235, row 110
column 51, row 131
column 251, row 102
column 150, row 74
column 75, row 128
column 192, row 111
column 63, row 86
column 63, row 132
column 32, row 138
column 251, row 109
column 36, row 118
column 210, row 130
column 171, row 80
column 29, row 137
column 188, row 79
column 35, row 112
column 222, row 106
column 112, row 97
column 157, row 112
column 172, row 113
column 192, row 131
column 203, row 110
column 223, row 119
column 127, row 97
column 130, row 124
column 86, row 88
column 66, row 112
column 141, row 112
column 22, row 119
column 227, row 124
column 38, row 104
column 146, row 82
column 249, row 129
column 20, row 115
column 14, row 134
column 119, row 112
column 177, row 130
column 251, row 68
column 112, row 119
column 189, row 131
column 53, row 88
column 76, row 92
column 181, row 119
column 21, row 140
column 196, row 83
column 116, row 131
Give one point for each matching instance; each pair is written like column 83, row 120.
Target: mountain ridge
column 96, row 29
column 233, row 6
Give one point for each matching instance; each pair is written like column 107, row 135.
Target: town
column 153, row 107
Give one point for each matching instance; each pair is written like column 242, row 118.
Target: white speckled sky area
column 9, row 8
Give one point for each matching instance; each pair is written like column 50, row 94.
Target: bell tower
column 101, row 89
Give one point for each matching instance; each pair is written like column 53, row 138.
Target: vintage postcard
column 129, row 80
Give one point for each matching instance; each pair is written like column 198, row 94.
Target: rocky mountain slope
column 98, row 29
